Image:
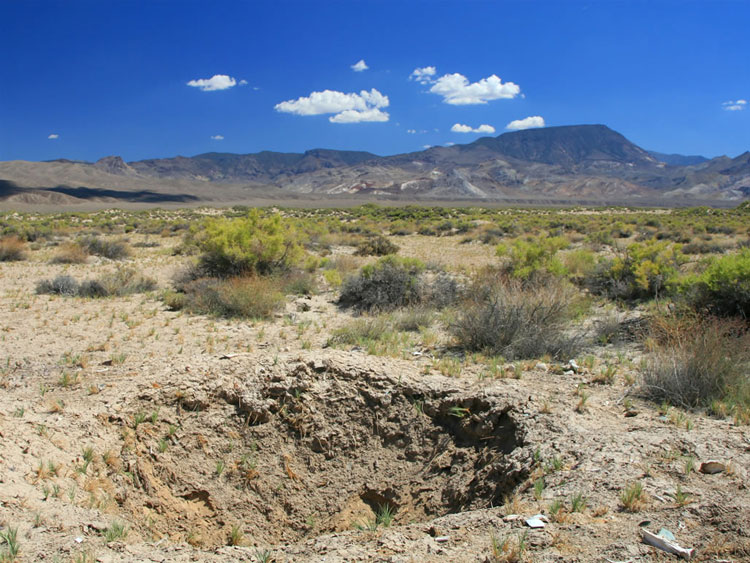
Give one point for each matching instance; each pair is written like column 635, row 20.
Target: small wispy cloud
column 53, row 136
column 216, row 82
column 734, row 105
column 360, row 66
column 461, row 128
column 346, row 107
column 423, row 75
column 411, row 131
column 526, row 123
column 217, row 137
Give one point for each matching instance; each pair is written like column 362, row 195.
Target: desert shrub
column 12, row 249
column 642, row 270
column 695, row 360
column 505, row 317
column 248, row 297
column 358, row 332
column 703, row 248
column 92, row 289
column 251, row 245
column 61, row 285
column 112, row 249
column 390, row 283
column 71, row 253
column 377, row 245
column 299, row 283
column 579, row 263
column 123, row 281
column 533, row 256
column 441, row 291
column 724, row 287
column 413, row 319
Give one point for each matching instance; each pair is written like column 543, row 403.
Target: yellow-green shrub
column 249, row 245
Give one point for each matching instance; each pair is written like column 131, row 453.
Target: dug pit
column 290, row 450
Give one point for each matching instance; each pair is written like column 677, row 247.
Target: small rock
column 542, row 366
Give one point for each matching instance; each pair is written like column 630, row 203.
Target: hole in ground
column 332, row 451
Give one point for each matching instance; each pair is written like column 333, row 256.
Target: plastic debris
column 537, row 521
column 664, row 544
column 666, row 534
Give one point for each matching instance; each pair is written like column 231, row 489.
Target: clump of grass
column 12, row 249
column 506, row 317
column 578, row 502
column 116, row 531
column 509, row 549
column 9, row 537
column 633, row 497
column 236, row 537
column 697, row 360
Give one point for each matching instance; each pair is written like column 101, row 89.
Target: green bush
column 534, row 256
column 390, row 283
column 376, row 245
column 724, row 287
column 516, row 320
column 642, row 270
column 252, row 245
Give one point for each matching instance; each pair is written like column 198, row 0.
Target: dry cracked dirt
column 130, row 432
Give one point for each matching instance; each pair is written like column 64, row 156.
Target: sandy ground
column 195, row 433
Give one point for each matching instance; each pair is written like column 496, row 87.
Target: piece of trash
column 79, row 539
column 712, row 466
column 666, row 534
column 644, row 523
column 659, row 542
column 442, row 539
column 537, row 521
column 511, row 517
column 228, row 356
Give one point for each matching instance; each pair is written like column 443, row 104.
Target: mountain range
column 568, row 164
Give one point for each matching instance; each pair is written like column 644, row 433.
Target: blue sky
column 86, row 79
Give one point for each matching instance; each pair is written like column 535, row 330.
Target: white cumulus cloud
column 53, row 136
column 526, row 123
column 347, row 108
column 216, row 82
column 734, row 105
column 423, row 75
column 360, row 66
column 355, row 116
column 217, row 137
column 457, row 90
column 461, row 128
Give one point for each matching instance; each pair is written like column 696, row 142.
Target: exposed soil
column 196, row 427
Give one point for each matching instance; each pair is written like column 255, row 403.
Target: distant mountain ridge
column 573, row 163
